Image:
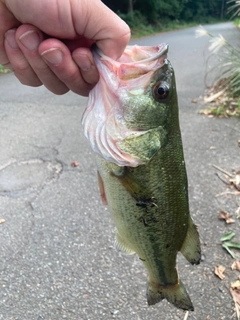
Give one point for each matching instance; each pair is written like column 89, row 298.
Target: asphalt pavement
column 57, row 259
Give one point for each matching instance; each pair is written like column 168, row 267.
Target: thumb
column 102, row 25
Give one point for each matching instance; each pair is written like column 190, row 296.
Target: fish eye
column 161, row 90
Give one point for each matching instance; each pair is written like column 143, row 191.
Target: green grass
column 223, row 111
column 3, row 70
column 237, row 22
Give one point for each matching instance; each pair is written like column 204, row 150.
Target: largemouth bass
column 131, row 121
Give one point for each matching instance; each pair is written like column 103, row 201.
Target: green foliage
column 138, row 23
column 140, row 26
column 183, row 10
column 234, row 7
column 237, row 22
column 228, row 244
column 133, row 19
column 3, row 70
column 151, row 16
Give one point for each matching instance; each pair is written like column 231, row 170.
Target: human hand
column 48, row 42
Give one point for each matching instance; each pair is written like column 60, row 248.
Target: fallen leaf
column 236, row 295
column 225, row 246
column 2, row 221
column 194, row 101
column 228, row 236
column 213, row 96
column 236, row 181
column 75, row 164
column 235, row 292
column 235, row 285
column 219, row 272
column 225, row 216
column 236, row 265
column 231, row 244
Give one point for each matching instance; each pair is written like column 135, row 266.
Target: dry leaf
column 236, row 265
column 236, row 285
column 213, row 96
column 235, row 291
column 75, row 164
column 194, row 101
column 2, row 221
column 219, row 272
column 225, row 216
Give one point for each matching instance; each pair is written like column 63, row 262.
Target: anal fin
column 121, row 245
column 191, row 249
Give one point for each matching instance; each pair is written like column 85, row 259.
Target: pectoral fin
column 139, row 192
column 191, row 249
column 143, row 147
column 102, row 190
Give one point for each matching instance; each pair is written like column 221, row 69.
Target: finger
column 84, row 59
column 17, row 61
column 59, row 59
column 7, row 21
column 29, row 38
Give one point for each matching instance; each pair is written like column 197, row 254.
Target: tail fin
column 175, row 294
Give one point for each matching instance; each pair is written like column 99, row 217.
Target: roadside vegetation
column 152, row 16
column 3, row 70
column 223, row 97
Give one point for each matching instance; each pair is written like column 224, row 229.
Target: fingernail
column 53, row 56
column 10, row 38
column 30, row 40
column 83, row 62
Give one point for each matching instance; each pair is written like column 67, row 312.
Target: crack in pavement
column 18, row 178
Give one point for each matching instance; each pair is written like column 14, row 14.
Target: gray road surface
column 56, row 245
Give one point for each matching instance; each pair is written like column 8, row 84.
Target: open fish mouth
column 135, row 60
column 104, row 120
column 136, row 54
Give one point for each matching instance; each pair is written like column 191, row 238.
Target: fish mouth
column 136, row 54
column 134, row 62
